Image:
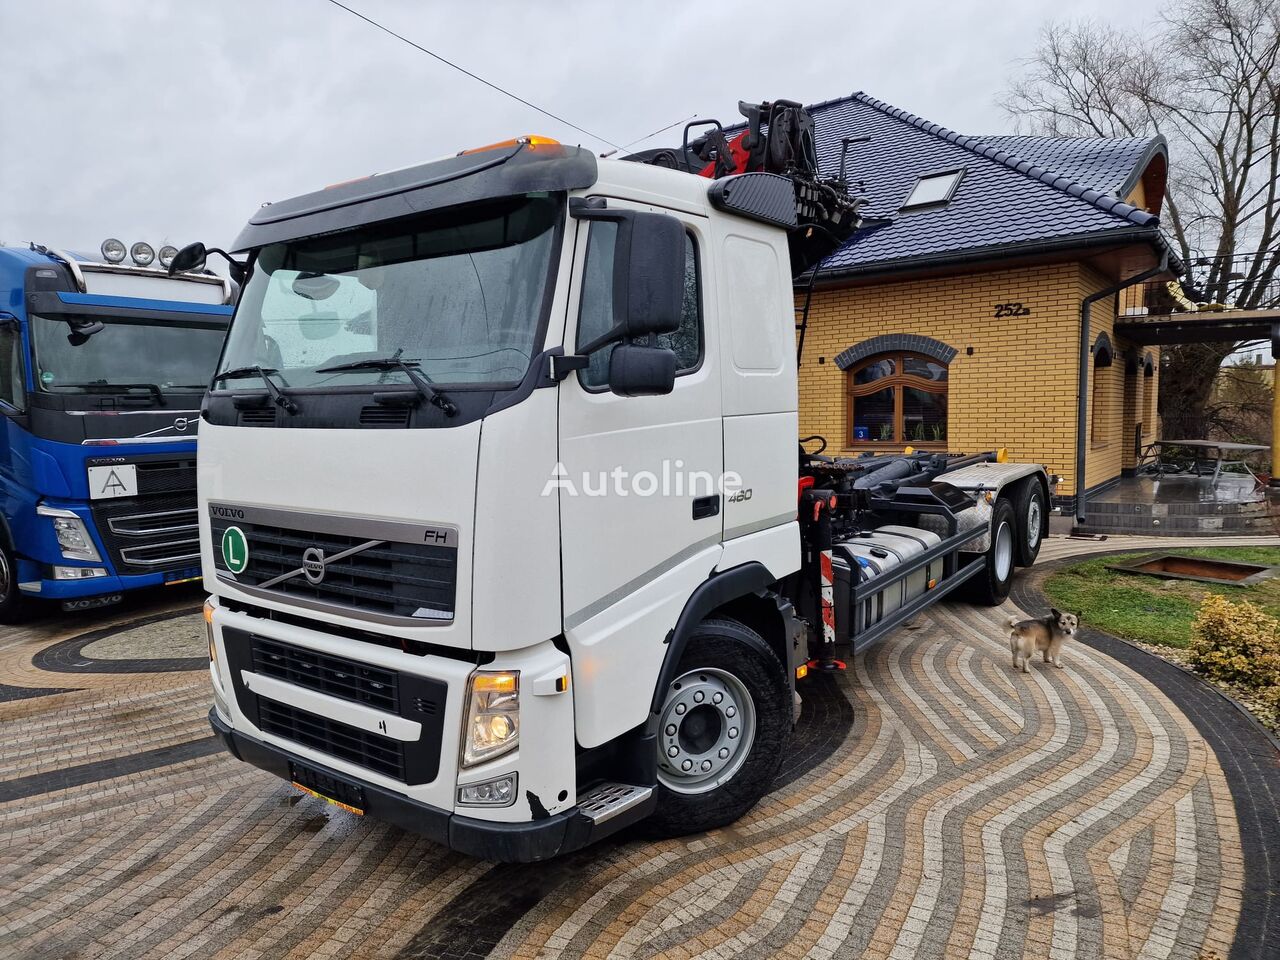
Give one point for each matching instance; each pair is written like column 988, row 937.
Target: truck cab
column 102, row 367
column 502, row 516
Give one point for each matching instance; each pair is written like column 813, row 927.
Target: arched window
column 898, row 398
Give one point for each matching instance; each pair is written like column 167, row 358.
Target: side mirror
column 190, row 257
column 636, row 371
column 649, row 293
column 81, row 332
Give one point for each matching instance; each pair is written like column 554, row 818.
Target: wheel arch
column 742, row 593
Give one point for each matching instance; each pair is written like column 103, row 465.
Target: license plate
column 324, row 787
column 115, row 480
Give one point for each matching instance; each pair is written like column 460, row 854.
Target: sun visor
column 500, row 172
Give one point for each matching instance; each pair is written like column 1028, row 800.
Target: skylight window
column 933, row 189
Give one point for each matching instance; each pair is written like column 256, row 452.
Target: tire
column 13, row 605
column 990, row 587
column 1029, row 512
column 741, row 737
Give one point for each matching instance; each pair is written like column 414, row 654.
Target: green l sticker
column 235, row 549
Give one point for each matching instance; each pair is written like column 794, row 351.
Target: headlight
column 73, row 535
column 113, row 250
column 142, row 254
column 166, row 255
column 492, row 721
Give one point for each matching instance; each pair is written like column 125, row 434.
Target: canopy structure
column 1227, row 326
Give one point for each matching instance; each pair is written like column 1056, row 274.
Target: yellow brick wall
column 1016, row 389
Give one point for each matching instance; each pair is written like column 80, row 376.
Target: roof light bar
column 530, row 141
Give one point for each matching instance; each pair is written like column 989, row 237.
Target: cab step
column 604, row 801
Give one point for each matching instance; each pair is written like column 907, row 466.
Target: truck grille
column 380, row 754
column 145, row 534
column 396, row 693
column 367, row 573
column 346, row 679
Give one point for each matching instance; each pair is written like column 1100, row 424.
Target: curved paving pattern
column 936, row 805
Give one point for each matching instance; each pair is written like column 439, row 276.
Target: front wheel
column 723, row 727
column 13, row 606
column 990, row 587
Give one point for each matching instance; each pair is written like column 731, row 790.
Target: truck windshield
column 460, row 294
column 127, row 352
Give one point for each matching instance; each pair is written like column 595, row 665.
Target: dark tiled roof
column 1004, row 203
column 1112, row 166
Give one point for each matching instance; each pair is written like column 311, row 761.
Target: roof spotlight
column 142, row 254
column 113, row 250
column 166, row 255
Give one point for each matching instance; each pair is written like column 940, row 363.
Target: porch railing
column 1242, row 282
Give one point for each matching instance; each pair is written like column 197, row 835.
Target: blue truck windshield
column 461, row 296
column 127, row 351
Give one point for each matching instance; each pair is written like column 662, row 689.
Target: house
column 990, row 270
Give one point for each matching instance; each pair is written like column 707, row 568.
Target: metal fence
column 1247, row 281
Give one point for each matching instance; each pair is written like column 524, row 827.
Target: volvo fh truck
column 102, row 367
column 508, row 535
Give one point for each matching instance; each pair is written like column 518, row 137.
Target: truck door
column 640, row 497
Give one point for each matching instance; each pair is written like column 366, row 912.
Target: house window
column 898, row 398
column 1098, row 404
column 933, row 189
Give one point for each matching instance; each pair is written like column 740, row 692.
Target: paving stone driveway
column 936, row 805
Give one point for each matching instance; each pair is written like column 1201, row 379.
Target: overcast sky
column 175, row 121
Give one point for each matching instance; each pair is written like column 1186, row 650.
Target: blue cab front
column 102, row 371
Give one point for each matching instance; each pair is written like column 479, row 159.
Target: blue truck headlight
column 78, row 573
column 73, row 535
column 492, row 721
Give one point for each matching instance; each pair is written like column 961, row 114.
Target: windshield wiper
column 264, row 374
column 103, row 386
column 409, row 369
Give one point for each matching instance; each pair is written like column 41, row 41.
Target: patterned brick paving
column 936, row 805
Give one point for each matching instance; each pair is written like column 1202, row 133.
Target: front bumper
column 50, row 589
column 485, row 839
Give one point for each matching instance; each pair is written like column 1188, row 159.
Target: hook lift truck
column 506, row 533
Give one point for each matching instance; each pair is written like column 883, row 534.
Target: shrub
column 1238, row 643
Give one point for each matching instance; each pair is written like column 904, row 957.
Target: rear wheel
column 723, row 726
column 1029, row 512
column 13, row 605
column 991, row 586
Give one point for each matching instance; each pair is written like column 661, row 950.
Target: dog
column 1046, row 635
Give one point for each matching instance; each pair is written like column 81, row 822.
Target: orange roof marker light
column 529, row 140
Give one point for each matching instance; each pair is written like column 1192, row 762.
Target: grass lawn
column 1148, row 608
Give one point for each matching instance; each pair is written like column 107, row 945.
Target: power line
column 461, row 69
column 677, row 123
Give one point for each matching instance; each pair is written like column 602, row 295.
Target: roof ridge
column 1102, row 201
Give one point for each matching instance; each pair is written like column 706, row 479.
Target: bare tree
column 1207, row 78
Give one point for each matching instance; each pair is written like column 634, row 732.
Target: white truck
column 506, row 533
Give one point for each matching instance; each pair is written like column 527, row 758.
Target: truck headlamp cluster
column 492, row 721
column 73, row 535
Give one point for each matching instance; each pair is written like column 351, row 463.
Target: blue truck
column 103, row 365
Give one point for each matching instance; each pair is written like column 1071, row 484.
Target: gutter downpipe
column 1082, row 399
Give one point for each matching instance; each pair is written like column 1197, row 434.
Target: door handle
column 706, row 506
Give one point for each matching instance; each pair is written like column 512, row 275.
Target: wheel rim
column 6, row 577
column 1034, row 518
column 708, row 723
column 1004, row 551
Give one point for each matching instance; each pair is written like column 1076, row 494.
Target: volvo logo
column 313, row 564
column 226, row 513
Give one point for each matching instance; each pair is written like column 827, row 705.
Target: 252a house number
column 1012, row 310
